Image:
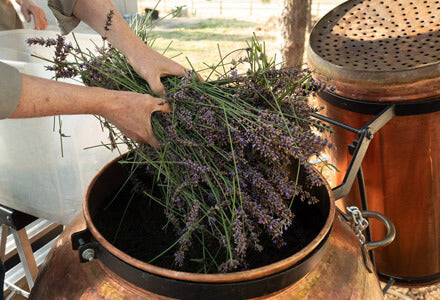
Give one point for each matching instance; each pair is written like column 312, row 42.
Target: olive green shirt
column 8, row 16
column 10, row 89
column 63, row 11
column 10, row 79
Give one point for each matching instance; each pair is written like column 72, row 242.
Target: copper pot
column 378, row 53
column 331, row 266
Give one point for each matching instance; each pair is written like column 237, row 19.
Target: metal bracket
column 367, row 262
column 87, row 249
column 358, row 150
column 14, row 218
column 366, row 134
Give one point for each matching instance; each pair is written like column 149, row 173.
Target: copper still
column 332, row 266
column 378, row 55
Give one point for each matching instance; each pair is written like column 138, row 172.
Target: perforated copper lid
column 388, row 41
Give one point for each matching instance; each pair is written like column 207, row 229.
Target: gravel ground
column 431, row 292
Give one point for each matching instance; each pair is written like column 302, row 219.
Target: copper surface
column 400, row 170
column 376, row 51
column 229, row 277
column 390, row 47
column 340, row 274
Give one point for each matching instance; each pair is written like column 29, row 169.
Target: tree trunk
column 294, row 20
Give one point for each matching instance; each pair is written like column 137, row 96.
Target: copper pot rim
column 371, row 77
column 196, row 277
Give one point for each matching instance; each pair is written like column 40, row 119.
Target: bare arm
column 146, row 62
column 28, row 8
column 130, row 112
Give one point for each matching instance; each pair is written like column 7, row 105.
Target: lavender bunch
column 233, row 149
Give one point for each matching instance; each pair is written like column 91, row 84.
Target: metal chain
column 359, row 223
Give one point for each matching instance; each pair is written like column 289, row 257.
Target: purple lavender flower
column 229, row 145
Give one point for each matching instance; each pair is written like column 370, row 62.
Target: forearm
column 130, row 112
column 41, row 97
column 120, row 35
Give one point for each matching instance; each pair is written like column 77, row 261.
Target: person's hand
column 28, row 8
column 146, row 62
column 152, row 66
column 131, row 114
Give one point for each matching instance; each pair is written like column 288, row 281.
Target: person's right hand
column 28, row 8
column 152, row 66
column 131, row 114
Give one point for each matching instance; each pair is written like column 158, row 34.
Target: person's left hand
column 28, row 8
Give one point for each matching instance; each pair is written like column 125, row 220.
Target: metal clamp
column 87, row 249
column 366, row 134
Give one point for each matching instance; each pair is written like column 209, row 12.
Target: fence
column 235, row 9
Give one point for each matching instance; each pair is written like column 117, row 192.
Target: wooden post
column 4, row 236
column 26, row 255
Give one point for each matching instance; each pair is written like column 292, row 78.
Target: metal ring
column 391, row 230
column 373, row 108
